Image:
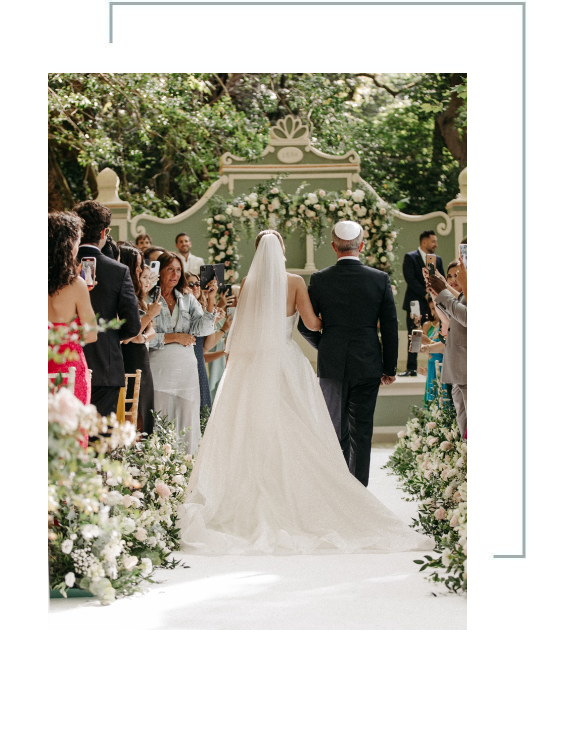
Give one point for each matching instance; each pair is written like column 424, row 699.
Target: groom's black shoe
column 407, row 373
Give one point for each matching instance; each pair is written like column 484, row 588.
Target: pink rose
column 445, row 445
column 431, row 425
column 457, row 496
column 440, row 513
column 454, row 521
column 162, row 489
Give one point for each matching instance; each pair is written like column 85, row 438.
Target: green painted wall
column 394, row 411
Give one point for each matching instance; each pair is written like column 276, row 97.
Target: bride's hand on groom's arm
column 387, row 380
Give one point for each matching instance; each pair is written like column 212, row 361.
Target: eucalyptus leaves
column 268, row 206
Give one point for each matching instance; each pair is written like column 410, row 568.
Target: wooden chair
column 132, row 415
column 69, row 377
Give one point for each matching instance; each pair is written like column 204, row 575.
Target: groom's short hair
column 346, row 245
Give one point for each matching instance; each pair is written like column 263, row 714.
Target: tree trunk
column 454, row 141
column 59, row 194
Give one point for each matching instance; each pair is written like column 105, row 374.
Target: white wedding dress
column 270, row 476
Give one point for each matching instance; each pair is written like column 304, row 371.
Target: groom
column 352, row 363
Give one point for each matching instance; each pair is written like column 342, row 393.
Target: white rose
column 358, row 195
column 113, row 497
column 130, row 562
column 140, row 534
column 222, row 255
column 236, row 211
column 70, row 579
column 401, row 434
column 64, row 409
column 432, row 440
column 67, row 546
column 148, row 568
column 445, row 557
column 128, row 525
column 183, row 468
column 179, row 480
column 311, row 198
column 90, row 531
column 431, row 425
column 230, row 251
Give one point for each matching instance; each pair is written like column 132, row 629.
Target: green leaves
column 177, row 126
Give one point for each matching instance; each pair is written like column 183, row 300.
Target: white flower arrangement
column 269, row 207
column 436, row 478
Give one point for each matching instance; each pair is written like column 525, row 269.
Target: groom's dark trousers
column 353, row 300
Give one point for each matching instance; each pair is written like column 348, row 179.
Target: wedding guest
column 434, row 333
column 173, row 362
column 143, row 241
column 413, row 264
column 112, row 297
column 111, row 249
column 68, row 296
column 135, row 350
column 216, row 357
column 153, row 253
column 192, row 264
column 205, row 344
column 455, row 353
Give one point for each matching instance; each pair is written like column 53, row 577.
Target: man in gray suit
column 455, row 355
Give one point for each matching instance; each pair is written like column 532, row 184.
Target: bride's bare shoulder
column 295, row 279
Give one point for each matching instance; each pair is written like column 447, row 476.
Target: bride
column 270, row 476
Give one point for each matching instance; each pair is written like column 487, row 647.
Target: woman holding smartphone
column 172, row 358
column 135, row 350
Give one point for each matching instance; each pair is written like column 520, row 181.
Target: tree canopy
column 164, row 133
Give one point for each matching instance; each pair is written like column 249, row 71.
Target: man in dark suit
column 113, row 297
column 352, row 363
column 413, row 264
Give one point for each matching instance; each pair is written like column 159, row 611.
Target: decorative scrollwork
column 290, row 129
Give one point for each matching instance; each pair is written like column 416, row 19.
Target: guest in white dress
column 172, row 357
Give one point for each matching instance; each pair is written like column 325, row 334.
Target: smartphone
column 415, row 345
column 463, row 253
column 155, row 267
column 88, row 271
column 414, row 308
column 227, row 289
column 154, row 293
column 431, row 263
column 209, row 272
column 231, row 310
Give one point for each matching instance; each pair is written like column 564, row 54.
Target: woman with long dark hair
column 135, row 350
column 172, row 356
column 68, row 297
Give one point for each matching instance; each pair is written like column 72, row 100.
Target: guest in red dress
column 68, row 297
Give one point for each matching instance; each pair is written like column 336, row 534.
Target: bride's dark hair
column 270, row 231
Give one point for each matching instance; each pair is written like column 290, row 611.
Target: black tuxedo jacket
column 416, row 288
column 352, row 298
column 112, row 298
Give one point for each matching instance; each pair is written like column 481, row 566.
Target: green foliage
column 164, row 133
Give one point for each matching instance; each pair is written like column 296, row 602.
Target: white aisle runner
column 339, row 592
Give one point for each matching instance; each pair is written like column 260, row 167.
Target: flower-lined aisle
column 431, row 461
column 112, row 505
column 269, row 207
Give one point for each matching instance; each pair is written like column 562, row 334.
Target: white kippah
column 347, row 230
